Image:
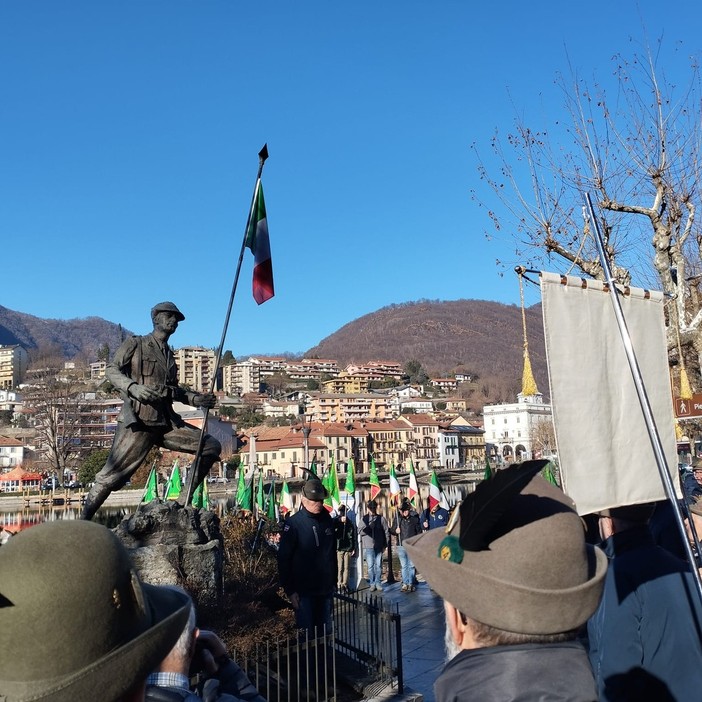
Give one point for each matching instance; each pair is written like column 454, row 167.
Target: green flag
column 174, row 483
column 333, row 501
column 313, row 466
column 488, row 469
column 350, row 485
column 244, row 493
column 374, row 482
column 272, row 511
column 151, row 491
column 198, row 496
column 549, row 475
column 259, row 495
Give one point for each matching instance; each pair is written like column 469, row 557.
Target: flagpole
column 653, row 435
column 262, row 156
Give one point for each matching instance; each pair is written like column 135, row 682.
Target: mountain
column 72, row 337
column 476, row 336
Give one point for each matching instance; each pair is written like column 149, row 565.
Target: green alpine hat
column 76, row 623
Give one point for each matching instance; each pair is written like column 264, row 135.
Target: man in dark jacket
column 646, row 630
column 403, row 527
column 518, row 582
column 345, row 533
column 435, row 518
column 307, row 559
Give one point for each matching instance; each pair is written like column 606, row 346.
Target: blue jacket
column 438, row 518
column 645, row 629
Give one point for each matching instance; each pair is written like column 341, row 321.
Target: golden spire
column 528, row 382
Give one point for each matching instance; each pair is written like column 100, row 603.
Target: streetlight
column 306, row 429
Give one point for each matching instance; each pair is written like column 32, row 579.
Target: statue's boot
column 94, row 499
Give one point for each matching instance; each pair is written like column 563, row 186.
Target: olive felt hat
column 529, row 571
column 76, row 623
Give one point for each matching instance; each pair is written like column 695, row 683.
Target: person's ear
column 455, row 622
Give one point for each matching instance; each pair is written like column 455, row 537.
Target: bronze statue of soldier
column 144, row 371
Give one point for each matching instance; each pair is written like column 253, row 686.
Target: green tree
column 5, row 418
column 415, row 373
column 103, row 353
column 312, row 384
column 228, row 358
column 93, row 463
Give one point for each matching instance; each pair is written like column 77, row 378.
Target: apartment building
column 514, row 428
column 471, row 442
column 196, row 367
column 331, row 407
column 424, row 440
column 13, row 366
column 345, row 383
column 390, row 442
column 376, row 370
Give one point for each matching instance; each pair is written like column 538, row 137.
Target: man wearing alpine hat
column 307, row 559
column 518, row 582
column 76, row 623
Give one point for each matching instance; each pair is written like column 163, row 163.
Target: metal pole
column 643, row 397
column 194, row 469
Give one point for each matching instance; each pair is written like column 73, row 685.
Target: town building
column 13, row 366
column 11, row 452
column 345, row 383
column 471, row 443
column 520, row 430
column 196, row 368
column 337, row 407
column 424, row 440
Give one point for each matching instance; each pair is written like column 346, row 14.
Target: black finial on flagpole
column 263, row 154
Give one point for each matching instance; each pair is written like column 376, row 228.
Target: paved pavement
column 423, row 629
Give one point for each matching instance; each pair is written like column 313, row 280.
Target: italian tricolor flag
column 286, row 503
column 257, row 241
column 394, row 485
column 374, row 482
column 434, row 491
column 413, row 488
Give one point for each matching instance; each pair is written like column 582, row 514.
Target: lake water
column 16, row 519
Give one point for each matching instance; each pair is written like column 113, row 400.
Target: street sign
column 687, row 409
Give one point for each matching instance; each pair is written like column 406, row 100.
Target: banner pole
column 642, row 395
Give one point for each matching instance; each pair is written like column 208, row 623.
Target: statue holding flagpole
column 144, row 372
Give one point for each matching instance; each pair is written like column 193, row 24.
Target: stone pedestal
column 176, row 545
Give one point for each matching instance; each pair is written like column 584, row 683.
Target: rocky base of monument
column 176, row 545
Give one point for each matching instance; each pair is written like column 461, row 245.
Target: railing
column 370, row 633
column 365, row 642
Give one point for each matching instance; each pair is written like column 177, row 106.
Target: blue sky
column 129, row 133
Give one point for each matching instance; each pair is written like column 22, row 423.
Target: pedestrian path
column 423, row 653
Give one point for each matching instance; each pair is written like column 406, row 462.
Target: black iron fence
column 365, row 646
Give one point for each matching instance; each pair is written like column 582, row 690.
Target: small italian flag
column 413, row 488
column 257, row 241
column 374, row 482
column 286, row 503
column 394, row 485
column 434, row 491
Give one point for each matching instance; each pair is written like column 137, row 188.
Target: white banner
column 604, row 449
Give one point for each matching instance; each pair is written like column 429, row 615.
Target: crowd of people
column 534, row 610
